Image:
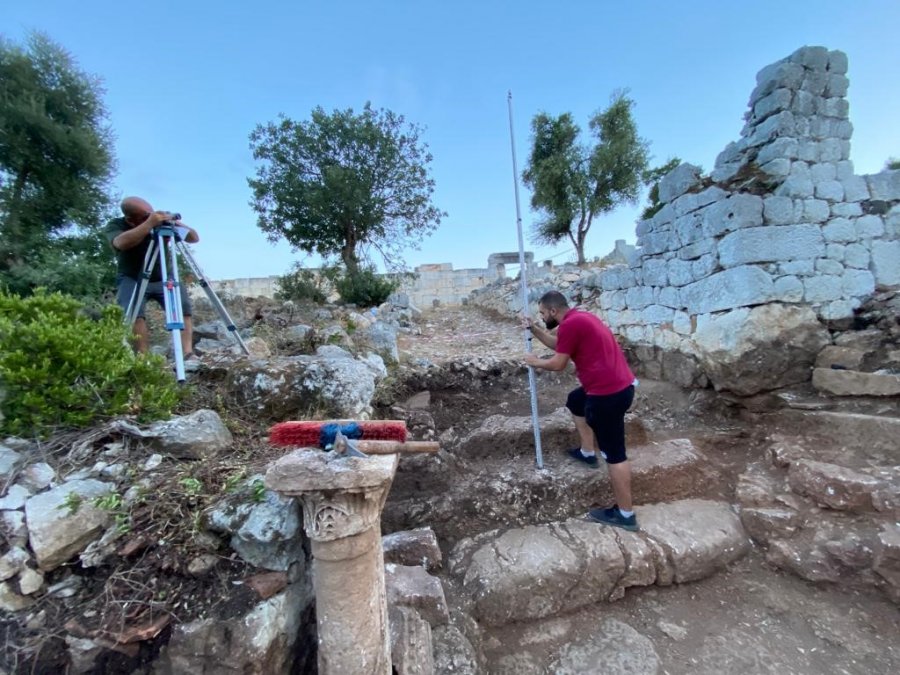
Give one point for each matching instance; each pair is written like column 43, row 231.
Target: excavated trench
column 742, row 614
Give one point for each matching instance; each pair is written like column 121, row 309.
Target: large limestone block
column 765, row 523
column 453, row 653
column 830, row 547
column 736, row 212
column 678, row 181
column 285, row 387
column 8, row 460
column 256, row 643
column 501, row 435
column 616, row 648
column 771, row 244
column 885, row 185
column 700, row 536
column 886, row 262
column 870, row 437
column 191, row 437
column 833, row 486
column 56, row 529
column 855, row 383
column 748, row 351
column 413, row 587
column 412, row 547
column 887, row 558
column 844, row 357
column 731, row 288
column 569, row 565
column 535, row 558
column 412, row 651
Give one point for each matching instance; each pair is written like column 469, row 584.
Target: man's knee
column 575, row 402
column 615, row 456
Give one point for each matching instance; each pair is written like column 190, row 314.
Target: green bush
column 60, row 368
column 365, row 287
column 300, row 284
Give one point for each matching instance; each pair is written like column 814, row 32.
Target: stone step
column 869, row 437
column 854, row 383
column 824, row 521
column 543, row 570
column 502, row 436
column 459, row 501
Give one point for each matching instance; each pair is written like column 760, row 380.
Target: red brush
column 321, row 434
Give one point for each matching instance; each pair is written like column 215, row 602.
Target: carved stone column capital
column 335, row 514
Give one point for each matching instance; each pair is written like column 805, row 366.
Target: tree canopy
column 56, row 161
column 342, row 182
column 573, row 182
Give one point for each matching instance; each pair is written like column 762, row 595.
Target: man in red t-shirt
column 600, row 403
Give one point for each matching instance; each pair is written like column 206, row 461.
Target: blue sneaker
column 575, row 453
column 612, row 516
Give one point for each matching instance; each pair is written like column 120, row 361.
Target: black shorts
column 605, row 415
column 126, row 286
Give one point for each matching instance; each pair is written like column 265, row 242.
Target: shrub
column 365, row 287
column 61, row 368
column 300, row 284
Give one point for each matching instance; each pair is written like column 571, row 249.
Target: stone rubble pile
column 55, row 519
column 822, row 512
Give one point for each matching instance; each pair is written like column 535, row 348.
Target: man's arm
column 131, row 238
column 556, row 362
column 191, row 237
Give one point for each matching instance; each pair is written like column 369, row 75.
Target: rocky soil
column 790, row 600
column 753, row 617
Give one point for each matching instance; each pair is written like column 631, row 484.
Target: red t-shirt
column 599, row 362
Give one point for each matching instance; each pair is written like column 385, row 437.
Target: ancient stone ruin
column 760, row 311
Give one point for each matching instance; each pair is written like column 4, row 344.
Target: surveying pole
column 532, row 384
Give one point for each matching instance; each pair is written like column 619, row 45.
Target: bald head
column 136, row 209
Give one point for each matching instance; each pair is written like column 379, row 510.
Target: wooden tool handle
column 392, row 447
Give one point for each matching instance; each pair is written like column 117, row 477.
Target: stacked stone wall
column 782, row 219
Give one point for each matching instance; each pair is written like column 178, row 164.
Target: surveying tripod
column 166, row 243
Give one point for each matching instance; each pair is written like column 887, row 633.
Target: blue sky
column 187, row 81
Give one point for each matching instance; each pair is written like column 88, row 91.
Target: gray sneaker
column 575, row 453
column 612, row 516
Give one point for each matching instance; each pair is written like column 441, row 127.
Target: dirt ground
column 752, row 618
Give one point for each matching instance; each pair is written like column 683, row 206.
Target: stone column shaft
column 342, row 499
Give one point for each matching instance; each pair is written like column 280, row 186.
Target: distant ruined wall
column 433, row 284
column 783, row 219
column 441, row 284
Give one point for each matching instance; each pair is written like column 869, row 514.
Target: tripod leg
column 172, row 299
column 213, row 298
column 140, row 290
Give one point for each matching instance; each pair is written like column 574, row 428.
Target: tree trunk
column 580, row 236
column 348, row 251
column 12, row 234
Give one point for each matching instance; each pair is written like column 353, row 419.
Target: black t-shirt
column 131, row 261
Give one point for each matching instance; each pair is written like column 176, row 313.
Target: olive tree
column 341, row 182
column 56, row 161
column 572, row 182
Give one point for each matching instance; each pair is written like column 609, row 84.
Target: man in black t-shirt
column 130, row 236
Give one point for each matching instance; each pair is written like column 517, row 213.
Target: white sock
column 625, row 513
column 588, row 453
